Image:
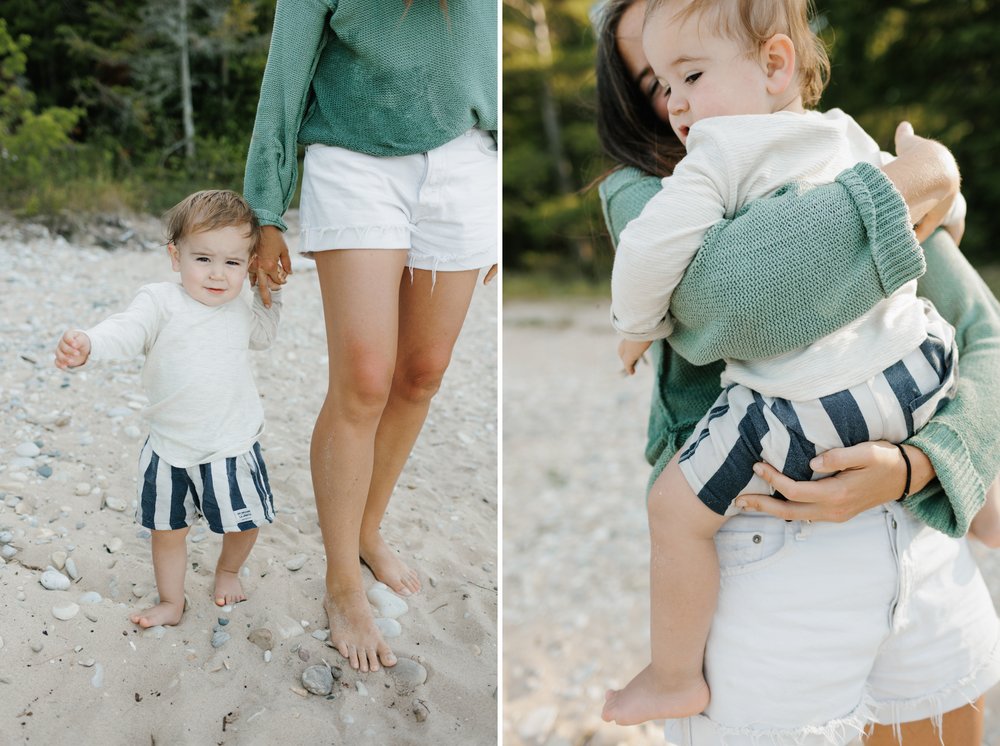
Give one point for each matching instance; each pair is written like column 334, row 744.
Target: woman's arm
column 787, row 270
column 272, row 163
column 961, row 440
column 959, row 444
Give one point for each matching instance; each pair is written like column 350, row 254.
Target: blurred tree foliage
column 934, row 62
column 117, row 67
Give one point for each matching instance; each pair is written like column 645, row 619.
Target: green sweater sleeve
column 272, row 161
column 961, row 439
column 870, row 264
column 786, row 270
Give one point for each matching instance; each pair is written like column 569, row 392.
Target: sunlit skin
column 702, row 74
column 629, row 38
column 213, row 264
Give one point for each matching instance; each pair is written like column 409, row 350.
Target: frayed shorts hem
column 397, row 238
column 702, row 731
column 951, row 697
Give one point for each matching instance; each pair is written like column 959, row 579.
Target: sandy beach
column 575, row 540
column 73, row 669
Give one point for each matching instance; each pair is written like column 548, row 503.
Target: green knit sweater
column 809, row 263
column 373, row 77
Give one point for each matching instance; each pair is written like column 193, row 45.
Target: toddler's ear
column 175, row 256
column 779, row 57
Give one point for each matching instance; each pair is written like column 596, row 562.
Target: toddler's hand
column 73, row 350
column 630, row 353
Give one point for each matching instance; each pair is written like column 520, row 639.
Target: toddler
column 205, row 416
column 738, row 78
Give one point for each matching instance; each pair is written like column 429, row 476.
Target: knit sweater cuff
column 265, row 217
column 950, row 503
column 897, row 255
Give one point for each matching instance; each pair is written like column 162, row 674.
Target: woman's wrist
column 921, row 469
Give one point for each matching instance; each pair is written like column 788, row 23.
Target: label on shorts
column 244, row 514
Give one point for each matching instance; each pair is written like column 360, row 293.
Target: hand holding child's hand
column 630, row 353
column 73, row 350
column 272, row 261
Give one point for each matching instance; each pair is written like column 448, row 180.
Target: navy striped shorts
column 232, row 493
column 744, row 427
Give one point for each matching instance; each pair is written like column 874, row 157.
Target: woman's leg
column 961, row 727
column 431, row 314
column 360, row 298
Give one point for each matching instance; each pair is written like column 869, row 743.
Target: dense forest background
column 933, row 62
column 129, row 104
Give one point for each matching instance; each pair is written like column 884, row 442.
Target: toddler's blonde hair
column 753, row 22
column 209, row 210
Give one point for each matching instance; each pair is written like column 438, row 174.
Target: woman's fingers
column 793, row 490
column 789, row 511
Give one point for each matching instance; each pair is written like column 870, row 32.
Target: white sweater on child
column 731, row 161
column 203, row 403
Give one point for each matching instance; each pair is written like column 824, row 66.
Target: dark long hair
column 628, row 128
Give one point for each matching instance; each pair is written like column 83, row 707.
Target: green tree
column 30, row 140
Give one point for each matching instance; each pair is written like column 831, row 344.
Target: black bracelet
column 906, row 460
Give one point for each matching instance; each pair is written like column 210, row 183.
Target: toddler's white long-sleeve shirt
column 203, row 403
column 732, row 161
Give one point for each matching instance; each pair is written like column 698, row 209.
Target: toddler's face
column 213, row 264
column 702, row 74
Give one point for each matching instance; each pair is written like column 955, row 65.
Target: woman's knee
column 361, row 384
column 419, row 378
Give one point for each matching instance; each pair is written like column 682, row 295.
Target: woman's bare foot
column 647, row 698
column 353, row 632
column 388, row 568
column 164, row 613
column 228, row 589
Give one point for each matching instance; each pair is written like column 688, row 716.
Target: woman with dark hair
column 870, row 615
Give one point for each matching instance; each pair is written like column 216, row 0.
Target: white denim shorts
column 823, row 628
column 440, row 205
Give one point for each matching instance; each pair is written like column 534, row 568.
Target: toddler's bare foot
column 388, row 567
column 647, row 698
column 164, row 613
column 353, row 632
column 228, row 589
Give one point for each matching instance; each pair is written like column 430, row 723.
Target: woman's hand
column 868, row 474
column 926, row 174
column 272, row 261
column 490, row 274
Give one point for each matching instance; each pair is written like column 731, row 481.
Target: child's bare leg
column 236, row 548
column 986, row 525
column 684, row 588
column 169, row 567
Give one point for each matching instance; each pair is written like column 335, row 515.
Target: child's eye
column 201, row 259
column 234, row 263
column 692, row 78
column 657, row 85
